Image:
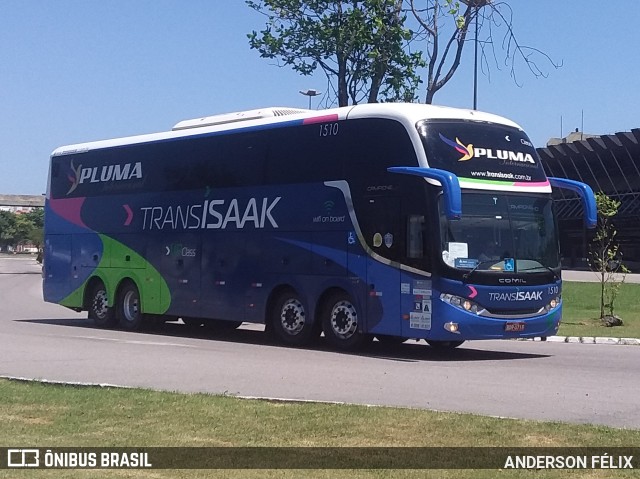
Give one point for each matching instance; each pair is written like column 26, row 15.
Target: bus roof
column 406, row 113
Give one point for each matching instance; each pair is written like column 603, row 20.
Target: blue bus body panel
column 69, row 251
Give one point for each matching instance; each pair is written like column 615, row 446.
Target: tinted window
column 481, row 151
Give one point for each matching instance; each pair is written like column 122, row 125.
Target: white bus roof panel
column 406, row 113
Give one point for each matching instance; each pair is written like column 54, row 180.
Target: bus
column 393, row 221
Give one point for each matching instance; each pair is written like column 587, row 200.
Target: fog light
column 451, row 327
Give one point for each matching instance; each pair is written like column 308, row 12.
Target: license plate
column 514, row 327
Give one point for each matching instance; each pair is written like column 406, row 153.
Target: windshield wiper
column 488, row 261
column 548, row 268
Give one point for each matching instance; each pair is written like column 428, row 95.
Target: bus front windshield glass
column 501, row 233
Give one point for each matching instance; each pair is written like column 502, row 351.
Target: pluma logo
column 74, row 177
column 103, row 174
column 505, row 156
column 466, row 151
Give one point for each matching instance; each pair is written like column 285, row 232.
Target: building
column 21, row 203
column 607, row 163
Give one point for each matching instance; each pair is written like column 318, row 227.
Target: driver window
column 415, row 236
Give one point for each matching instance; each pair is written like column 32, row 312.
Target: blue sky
column 81, row 70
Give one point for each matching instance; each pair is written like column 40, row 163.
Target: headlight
column 461, row 303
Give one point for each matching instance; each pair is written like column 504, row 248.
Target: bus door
column 384, row 237
column 416, row 286
column 180, row 266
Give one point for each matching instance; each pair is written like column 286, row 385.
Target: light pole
column 475, row 65
column 310, row 93
column 478, row 4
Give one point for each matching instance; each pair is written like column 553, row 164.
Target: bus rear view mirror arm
column 586, row 195
column 449, row 182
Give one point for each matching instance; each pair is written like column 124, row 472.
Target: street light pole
column 478, row 4
column 310, row 93
column 475, row 65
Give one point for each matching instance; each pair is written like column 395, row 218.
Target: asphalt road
column 577, row 383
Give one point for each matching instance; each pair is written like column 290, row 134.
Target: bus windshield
column 501, row 233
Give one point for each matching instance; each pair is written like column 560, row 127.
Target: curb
column 588, row 340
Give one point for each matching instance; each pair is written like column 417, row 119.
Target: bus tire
column 98, row 307
column 444, row 344
column 289, row 320
column 129, row 307
column 340, row 323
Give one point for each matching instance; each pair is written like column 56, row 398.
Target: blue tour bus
column 392, row 221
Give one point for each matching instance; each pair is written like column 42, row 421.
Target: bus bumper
column 472, row 326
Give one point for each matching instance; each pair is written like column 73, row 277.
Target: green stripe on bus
column 154, row 291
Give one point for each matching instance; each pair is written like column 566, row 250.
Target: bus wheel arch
column 96, row 301
column 288, row 317
column 341, row 320
column 128, row 305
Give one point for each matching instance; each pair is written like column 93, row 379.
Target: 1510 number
column 329, row 129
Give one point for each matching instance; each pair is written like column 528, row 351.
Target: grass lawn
column 581, row 310
column 45, row 415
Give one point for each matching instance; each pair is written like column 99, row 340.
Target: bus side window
column 415, row 236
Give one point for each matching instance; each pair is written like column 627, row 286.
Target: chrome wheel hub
column 131, row 306
column 292, row 317
column 100, row 307
column 344, row 319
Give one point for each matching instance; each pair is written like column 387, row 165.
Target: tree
column 445, row 25
column 362, row 46
column 21, row 228
column 36, row 232
column 605, row 257
column 7, row 228
column 367, row 48
column 35, row 217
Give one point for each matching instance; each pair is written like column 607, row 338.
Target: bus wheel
column 102, row 315
column 129, row 307
column 340, row 323
column 289, row 321
column 444, row 344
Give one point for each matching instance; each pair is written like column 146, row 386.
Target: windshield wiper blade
column 488, row 261
column 548, row 268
